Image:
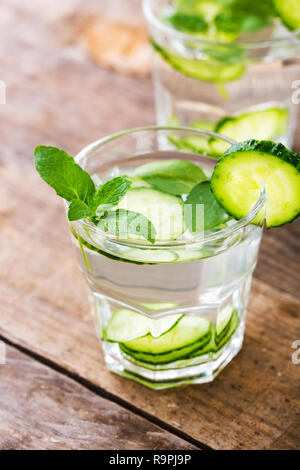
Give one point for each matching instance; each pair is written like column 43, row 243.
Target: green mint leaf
column 79, row 210
column 172, row 176
column 226, row 54
column 110, row 193
column 251, row 23
column 169, row 185
column 240, row 21
column 214, row 214
column 187, row 23
column 226, row 21
column 63, row 174
column 121, row 222
column 227, row 16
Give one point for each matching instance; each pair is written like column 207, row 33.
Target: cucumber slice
column 127, row 325
column 149, row 256
column 289, row 11
column 266, row 124
column 209, row 70
column 198, row 144
column 163, row 210
column 166, row 358
column 157, row 306
column 193, row 143
column 218, row 341
column 200, row 124
column 184, row 255
column 137, row 182
column 239, row 175
column 223, row 322
column 228, row 332
column 189, row 330
column 206, row 348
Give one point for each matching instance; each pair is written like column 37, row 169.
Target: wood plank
column 67, row 100
column 45, row 410
column 278, row 264
column 44, row 307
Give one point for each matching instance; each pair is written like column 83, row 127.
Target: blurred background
column 74, row 71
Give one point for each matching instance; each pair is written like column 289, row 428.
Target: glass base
column 198, row 370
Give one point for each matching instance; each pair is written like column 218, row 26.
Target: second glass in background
column 241, row 89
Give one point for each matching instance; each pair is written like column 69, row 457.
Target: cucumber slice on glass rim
column 240, row 174
column 289, row 12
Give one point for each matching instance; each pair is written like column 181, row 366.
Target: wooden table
column 55, row 392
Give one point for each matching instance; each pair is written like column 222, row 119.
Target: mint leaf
column 229, row 16
column 110, row 193
column 226, row 54
column 172, row 176
column 251, row 23
column 214, row 214
column 169, row 185
column 123, row 222
column 63, row 174
column 79, row 210
column 187, row 23
column 71, row 182
column 240, row 21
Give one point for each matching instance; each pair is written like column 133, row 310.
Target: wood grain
column 42, row 409
column 57, row 95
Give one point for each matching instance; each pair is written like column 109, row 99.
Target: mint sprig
column 109, row 194
column 79, row 210
column 63, row 174
column 76, row 186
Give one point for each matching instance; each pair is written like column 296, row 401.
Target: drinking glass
column 241, row 89
column 201, row 282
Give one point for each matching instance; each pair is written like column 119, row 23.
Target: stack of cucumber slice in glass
column 171, row 338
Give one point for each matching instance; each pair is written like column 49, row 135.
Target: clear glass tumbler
column 190, row 295
column 241, row 89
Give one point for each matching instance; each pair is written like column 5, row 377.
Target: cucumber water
column 168, row 242
column 230, row 64
column 161, row 305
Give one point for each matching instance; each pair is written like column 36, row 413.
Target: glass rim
column 202, row 238
column 246, row 43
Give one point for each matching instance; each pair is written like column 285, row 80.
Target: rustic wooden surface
column 57, row 95
column 41, row 408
